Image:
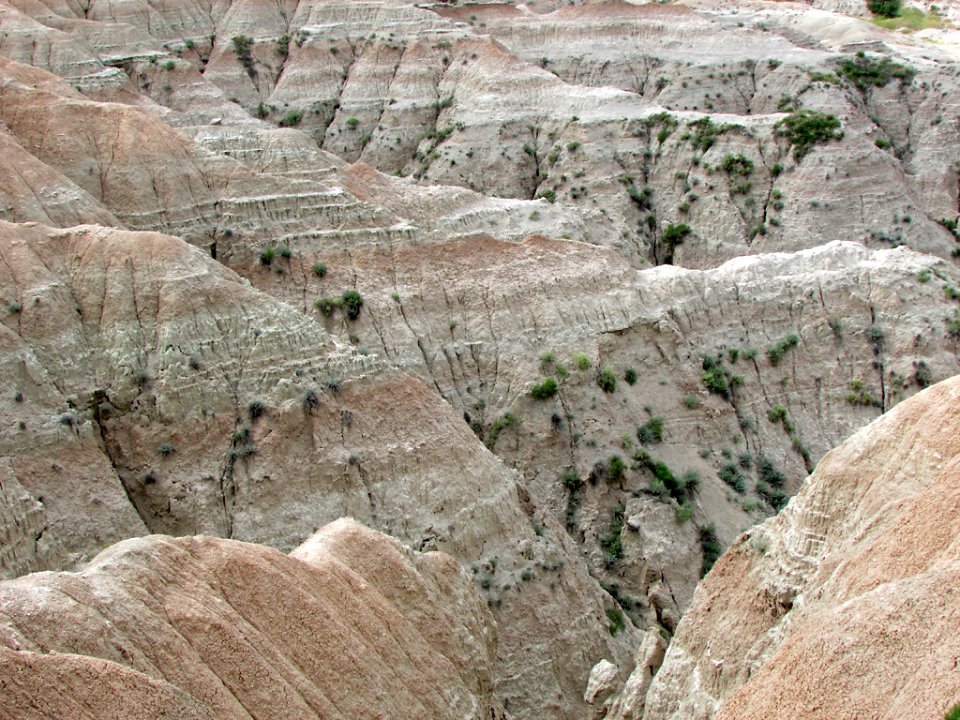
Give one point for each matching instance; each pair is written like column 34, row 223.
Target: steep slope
column 350, row 624
column 189, row 403
column 845, row 604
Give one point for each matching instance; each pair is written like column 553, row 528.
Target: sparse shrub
column 691, row 401
column 352, row 123
column 267, row 255
column 545, row 390
column 581, row 361
column 169, row 65
column 684, row 511
column 573, row 146
column 320, row 270
column 243, row 49
column 165, row 449
column 630, row 375
column 607, row 380
column 14, row 307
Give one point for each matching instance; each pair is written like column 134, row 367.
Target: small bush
column 310, row 400
column 615, row 469
column 737, row 165
column 630, row 375
column 581, row 361
column 806, row 128
column 714, row 376
column 777, row 351
column 545, row 390
column 884, row 8
column 320, row 270
column 291, row 119
column 768, row 472
column 267, row 255
column 327, row 305
column 165, row 449
column 953, row 713
column 617, row 621
column 353, row 302
column 710, row 546
column 573, row 146
column 691, row 401
column 256, row 409
column 651, row 431
column 352, row 123
column 684, row 511
column 607, row 380
column 732, row 476
column 499, row 425
column 866, row 72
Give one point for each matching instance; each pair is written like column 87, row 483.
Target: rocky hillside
column 845, row 604
column 575, row 293
column 349, row 624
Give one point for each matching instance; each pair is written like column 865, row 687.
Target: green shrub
column 651, row 431
column 499, row 425
column 769, row 473
column 710, row 546
column 684, row 511
column 581, row 361
column 737, row 165
column 691, row 401
column 607, row 380
column 865, row 72
column 256, row 409
column 953, row 713
column 353, row 302
column 732, row 476
column 320, row 270
column 352, row 123
column 165, row 449
column 545, row 390
column 615, row 469
column 573, row 146
column 884, row 8
column 806, row 128
column 617, row 621
column 611, row 543
column 777, row 414
column 674, row 235
column 327, row 305
column 776, row 352
column 715, row 377
column 243, row 49
column 266, row 256
column 571, row 481
column 291, row 119
column 630, row 375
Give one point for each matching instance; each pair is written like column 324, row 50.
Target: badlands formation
column 574, row 293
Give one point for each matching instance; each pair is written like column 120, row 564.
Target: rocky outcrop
column 844, row 604
column 350, row 624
